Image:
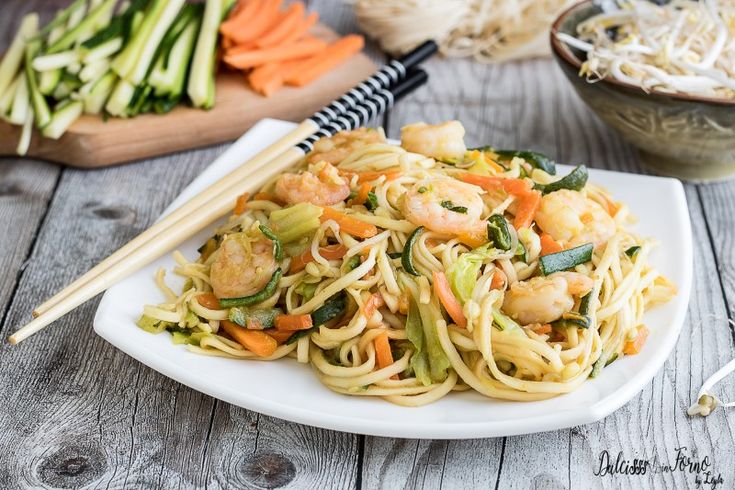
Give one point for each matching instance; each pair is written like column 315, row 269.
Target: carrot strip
column 239, row 19
column 634, row 346
column 329, row 252
column 260, row 22
column 241, row 203
column 549, row 245
column 255, row 57
column 209, row 300
column 281, row 336
column 256, row 341
column 292, row 17
column 348, row 224
column 362, row 194
column 542, row 329
column 527, row 208
column 511, row 186
column 383, row 355
column 448, row 300
column 267, row 79
column 370, row 176
column 372, row 304
column 293, row 322
column 335, row 54
column 498, row 279
column 265, row 196
column 472, row 240
column 300, row 29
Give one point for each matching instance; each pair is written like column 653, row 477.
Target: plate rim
column 422, row 430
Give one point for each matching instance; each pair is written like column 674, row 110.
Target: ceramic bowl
column 692, row 138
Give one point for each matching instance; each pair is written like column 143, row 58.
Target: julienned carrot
column 549, row 245
column 473, row 240
column 293, row 322
column 498, row 279
column 372, row 304
column 383, row 355
column 302, row 28
column 329, row 252
column 264, row 19
column 348, row 224
column 281, row 336
column 299, row 49
column 527, row 207
column 370, row 176
column 209, row 300
column 239, row 19
column 267, row 79
column 635, row 345
column 542, row 329
column 291, row 18
column 256, row 341
column 444, row 292
column 265, row 196
column 241, row 203
column 362, row 194
column 336, row 53
column 511, row 186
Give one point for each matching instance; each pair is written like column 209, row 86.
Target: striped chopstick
column 388, row 75
column 218, row 206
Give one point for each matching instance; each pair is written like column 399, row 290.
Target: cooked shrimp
column 321, row 184
column 339, row 146
column 444, row 205
column 573, row 219
column 243, row 266
column 545, row 299
column 443, row 141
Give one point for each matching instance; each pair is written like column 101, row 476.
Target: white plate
column 290, row 391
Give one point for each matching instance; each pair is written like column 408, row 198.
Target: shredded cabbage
column 462, row 274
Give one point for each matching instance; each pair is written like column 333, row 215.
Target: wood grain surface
column 76, row 413
column 94, row 142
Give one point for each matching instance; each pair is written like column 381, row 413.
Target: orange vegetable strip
column 209, row 300
column 300, row 29
column 362, row 194
column 511, row 186
column 241, row 203
column 265, row 196
column 542, row 329
column 293, row 322
column 448, row 300
column 255, row 57
column 636, row 345
column 348, row 224
column 335, row 54
column 370, row 176
column 472, row 240
column 549, row 245
column 256, row 341
column 267, row 79
column 281, row 336
column 527, row 208
column 239, row 19
column 292, row 18
column 498, row 279
column 372, row 304
column 329, row 252
column 383, row 355
column 266, row 16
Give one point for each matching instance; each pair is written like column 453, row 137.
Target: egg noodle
column 408, row 272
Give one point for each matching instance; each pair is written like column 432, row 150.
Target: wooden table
column 76, row 412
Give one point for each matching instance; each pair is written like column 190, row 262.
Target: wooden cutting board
column 91, row 142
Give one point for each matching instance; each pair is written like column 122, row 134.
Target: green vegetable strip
column 498, row 232
column 572, row 320
column 11, row 61
column 633, row 251
column 566, row 259
column 277, row 247
column 332, row 308
column 535, row 159
column 407, row 256
column 256, row 298
column 38, row 101
column 59, row 20
column 125, row 62
column 415, row 333
column 574, row 180
column 201, row 79
column 73, row 35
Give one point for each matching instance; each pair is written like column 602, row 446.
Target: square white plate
column 290, row 391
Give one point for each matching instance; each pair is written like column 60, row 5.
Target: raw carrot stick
column 498, row 279
column 635, row 346
column 209, row 300
column 256, row 341
column 293, row 322
column 281, row 336
column 241, row 203
column 335, row 54
column 300, row 29
column 542, row 329
column 261, row 22
column 267, row 79
column 348, row 224
column 448, row 300
column 362, row 194
column 383, row 355
column 255, row 57
column 527, row 208
column 370, row 176
column 239, row 20
column 292, row 18
column 549, row 245
column 329, row 252
column 372, row 304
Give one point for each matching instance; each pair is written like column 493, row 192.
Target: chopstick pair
column 354, row 109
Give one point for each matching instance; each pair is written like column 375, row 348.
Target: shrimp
column 243, row 266
column 544, row 299
column 444, row 205
column 321, row 184
column 443, row 141
column 339, row 146
column 573, row 219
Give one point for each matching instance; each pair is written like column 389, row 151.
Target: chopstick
column 386, row 76
column 218, row 206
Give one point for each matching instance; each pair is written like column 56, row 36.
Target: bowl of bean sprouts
column 662, row 74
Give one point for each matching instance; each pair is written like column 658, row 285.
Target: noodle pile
column 488, row 30
column 362, row 281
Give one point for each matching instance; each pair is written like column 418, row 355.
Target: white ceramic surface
column 289, row 390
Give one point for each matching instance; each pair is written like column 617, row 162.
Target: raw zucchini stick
column 10, row 63
column 125, row 62
column 95, row 100
column 25, row 135
column 201, row 79
column 38, row 101
column 21, row 102
column 6, row 98
column 62, row 118
column 60, row 20
column 169, row 74
column 76, row 34
column 142, row 66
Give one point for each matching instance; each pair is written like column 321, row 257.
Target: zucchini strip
column 407, row 255
column 11, row 61
column 201, row 79
column 256, row 298
column 566, row 259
